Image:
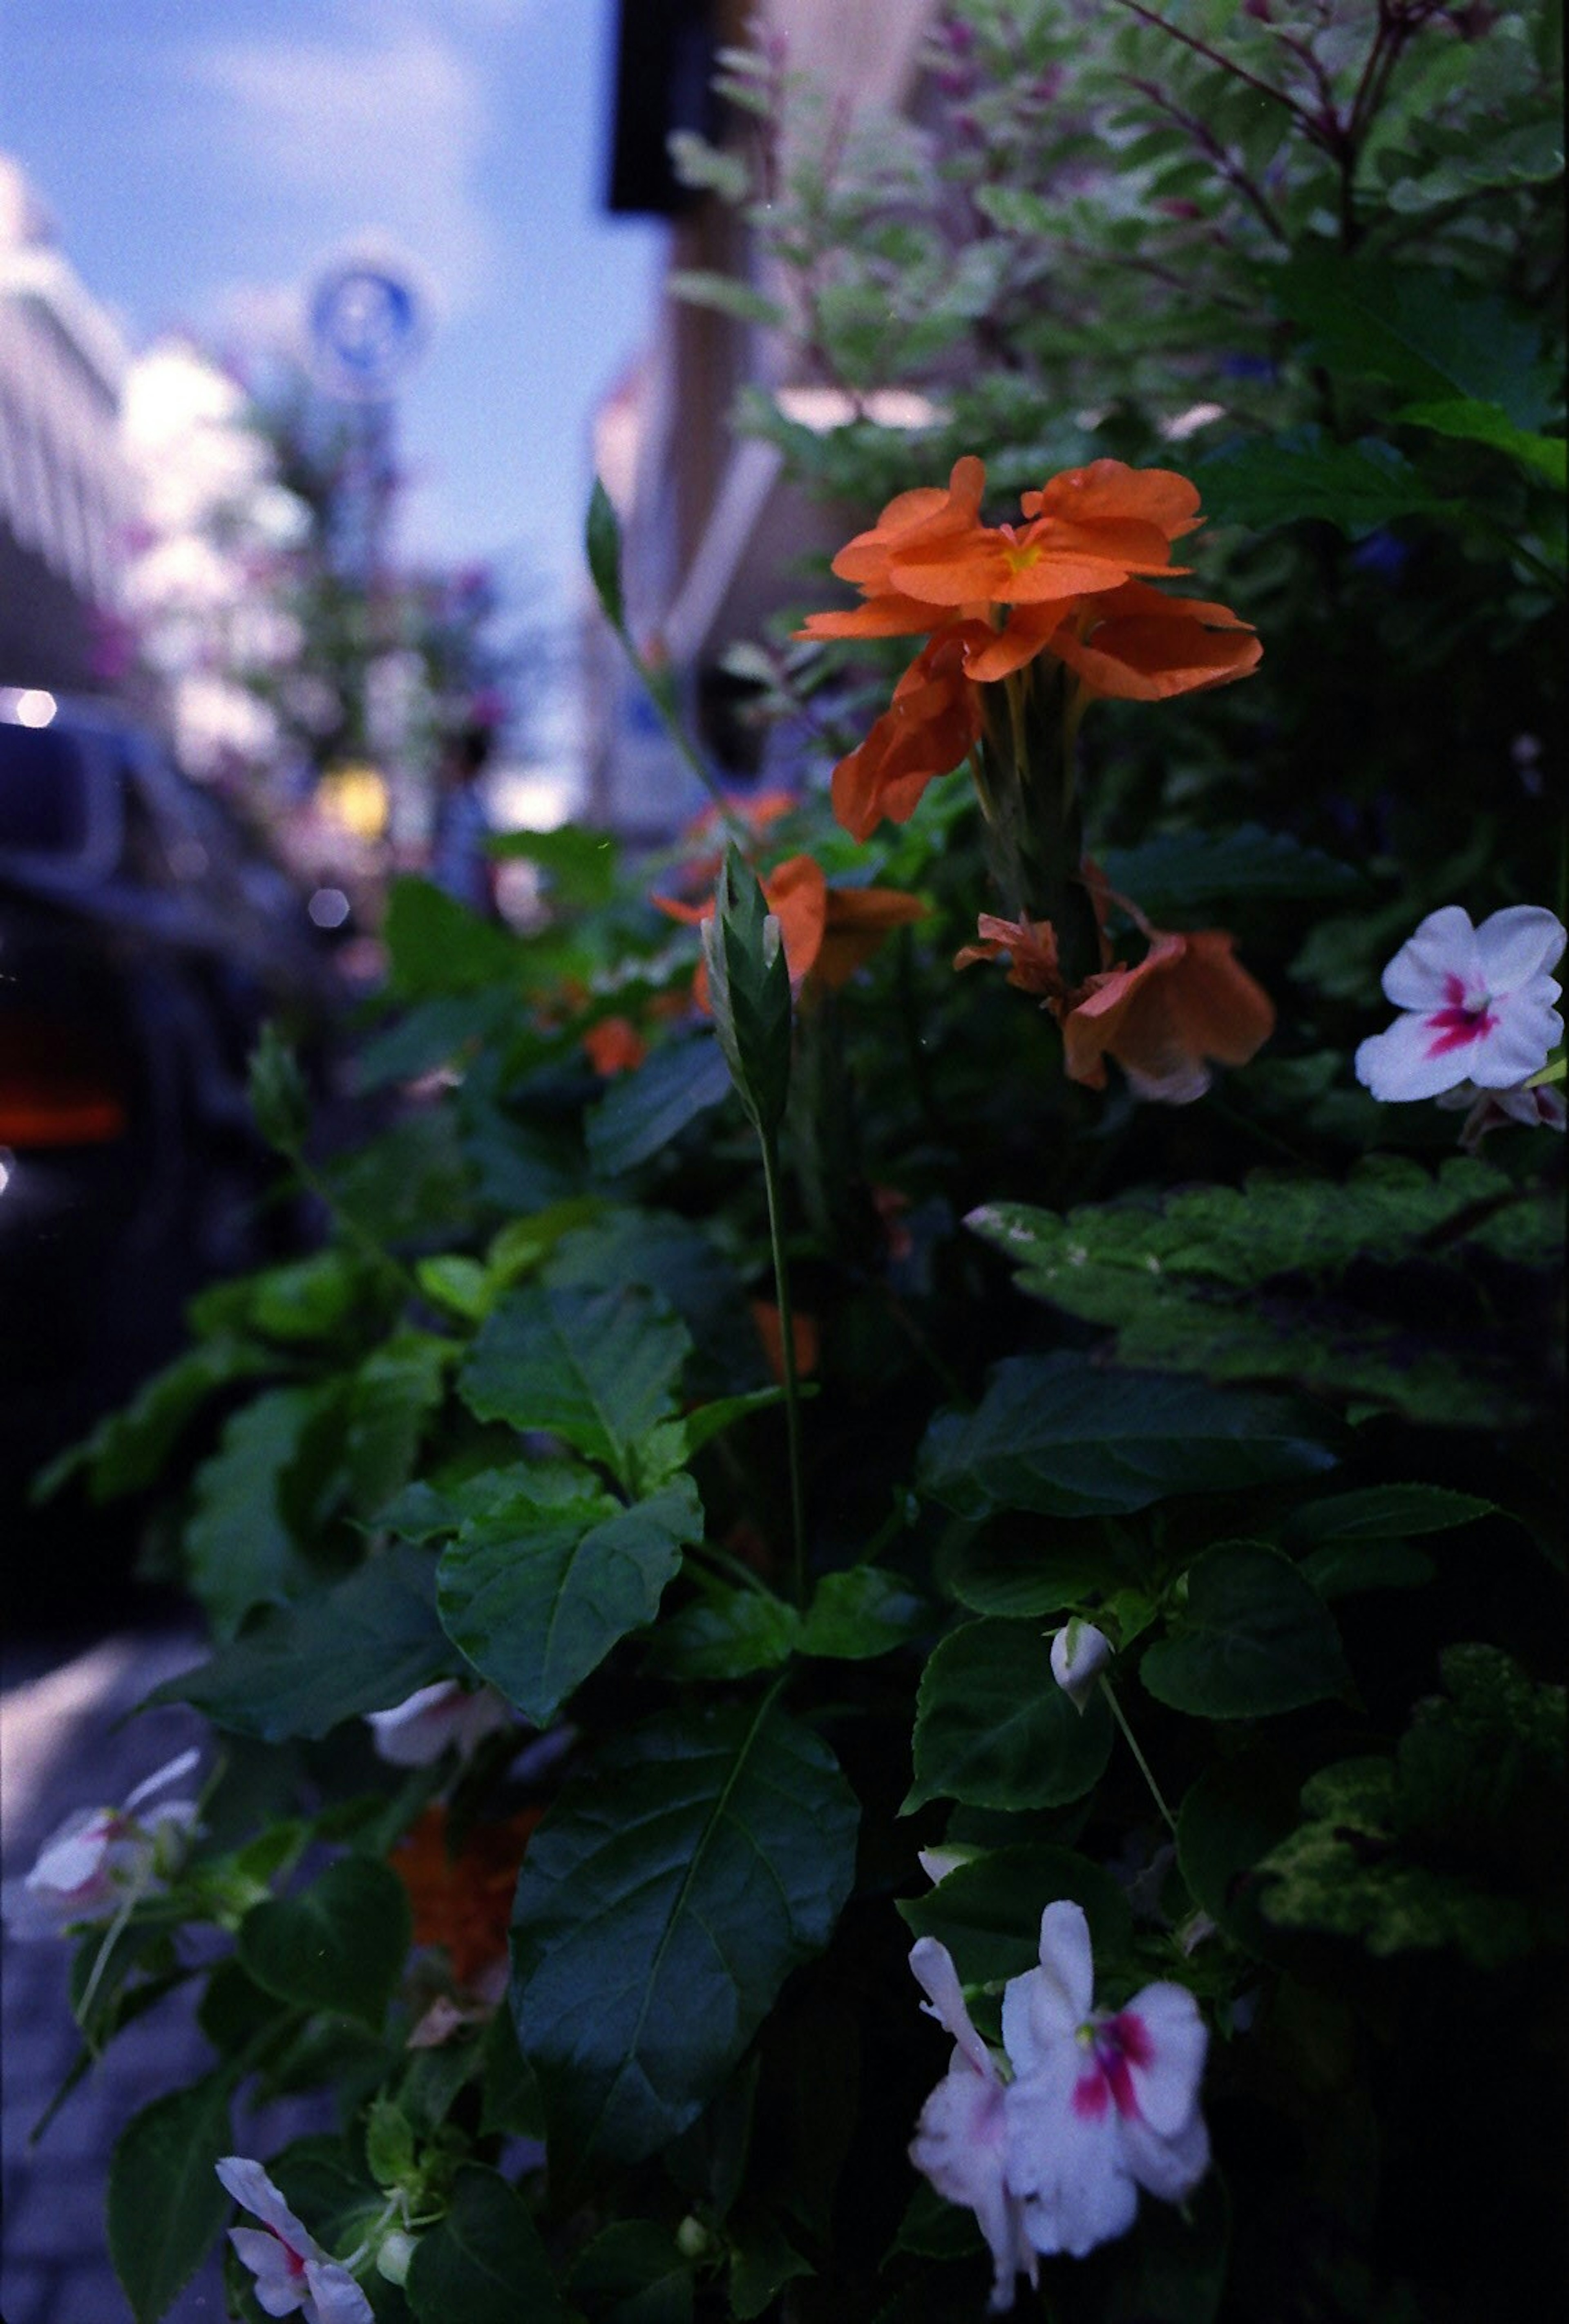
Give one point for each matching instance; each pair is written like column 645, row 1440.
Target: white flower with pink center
column 1104, row 2103
column 1100, row 2104
column 100, row 1860
column 292, row 2271
column 416, row 1731
column 1478, row 1005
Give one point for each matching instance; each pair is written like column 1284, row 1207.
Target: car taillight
column 60, row 1084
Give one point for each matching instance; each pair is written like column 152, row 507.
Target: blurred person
column 458, row 862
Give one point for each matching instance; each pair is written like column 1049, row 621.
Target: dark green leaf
column 861, row 1613
column 1281, row 479
column 596, row 1369
column 484, row 2261
column 166, row 2206
column 278, row 1098
column 438, row 947
column 128, row 1448
column 727, row 1634
column 240, row 1549
column 339, row 1944
column 1229, row 1821
column 580, row 864
column 1254, row 1638
column 633, row 2274
column 1341, row 1568
column 987, row 1912
column 1061, row 1437
column 364, row 1645
column 1382, row 1513
column 1485, row 423
column 994, row 1728
column 661, row 1905
column 1185, row 872
column 602, row 548
column 750, row 993
column 537, row 1596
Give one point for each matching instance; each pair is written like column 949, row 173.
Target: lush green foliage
column 1261, row 1385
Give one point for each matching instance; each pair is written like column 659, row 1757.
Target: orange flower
column 614, row 1046
column 758, row 814
column 1140, row 646
column 464, row 1901
column 934, row 722
column 1188, row 1000
column 827, row 932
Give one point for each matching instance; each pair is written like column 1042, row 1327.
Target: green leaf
column 579, row 862
column 1421, row 330
column 1266, row 482
column 1341, row 1568
column 278, row 1098
column 1254, row 1638
column 702, row 287
column 130, row 1448
column 1264, row 1282
column 1382, row 1513
column 994, row 1728
column 536, row 1596
column 1181, row 872
column 727, row 1634
column 436, row 946
column 1486, row 423
column 1229, row 1821
column 393, row 1398
column 602, row 549
column 987, row 1911
column 166, row 2207
column 462, row 1285
column 1017, row 1578
column 750, row 993
column 861, row 1613
column 364, row 1645
column 484, row 2261
column 1063, row 1437
column 240, row 1549
column 762, row 2261
column 596, row 1369
column 632, row 2273
column 661, row 1905
column 339, row 1944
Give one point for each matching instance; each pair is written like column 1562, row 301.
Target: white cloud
column 376, row 125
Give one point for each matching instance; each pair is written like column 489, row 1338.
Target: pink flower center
column 1115, row 2045
column 1461, row 1021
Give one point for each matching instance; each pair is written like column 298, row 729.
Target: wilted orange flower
column 1187, row 1001
column 614, row 1046
column 464, row 1901
column 827, row 932
column 991, row 598
column 1030, row 946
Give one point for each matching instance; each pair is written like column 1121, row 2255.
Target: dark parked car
column 143, row 943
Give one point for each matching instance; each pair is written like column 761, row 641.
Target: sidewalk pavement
column 60, row 1750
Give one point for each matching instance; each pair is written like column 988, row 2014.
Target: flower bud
column 396, row 2252
column 1080, row 1653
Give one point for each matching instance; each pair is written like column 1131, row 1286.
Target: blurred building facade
column 711, row 531
column 66, row 501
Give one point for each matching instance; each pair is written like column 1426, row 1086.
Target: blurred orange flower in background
column 614, row 1046
column 463, row 1900
column 827, row 932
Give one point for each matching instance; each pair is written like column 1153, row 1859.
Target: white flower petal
column 1066, row 1956
column 1065, row 2160
column 280, row 2289
column 249, row 2186
column 75, row 1854
column 1524, row 1033
column 338, row 2297
column 933, row 1965
column 1166, row 2085
column 169, row 1773
column 1443, row 947
column 1515, row 945
column 1400, row 1066
column 1169, row 2167
column 1080, row 1653
column 959, row 2146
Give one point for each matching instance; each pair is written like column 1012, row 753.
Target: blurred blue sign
column 368, row 327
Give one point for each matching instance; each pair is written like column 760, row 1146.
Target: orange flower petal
column 931, row 724
column 1187, row 1001
column 1108, row 492
column 859, row 918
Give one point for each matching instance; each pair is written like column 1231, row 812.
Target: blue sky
column 201, row 158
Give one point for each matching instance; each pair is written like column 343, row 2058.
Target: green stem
column 1143, row 1764
column 770, row 1144
column 658, row 694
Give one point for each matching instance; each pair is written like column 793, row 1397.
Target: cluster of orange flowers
column 462, row 1899
column 989, row 598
